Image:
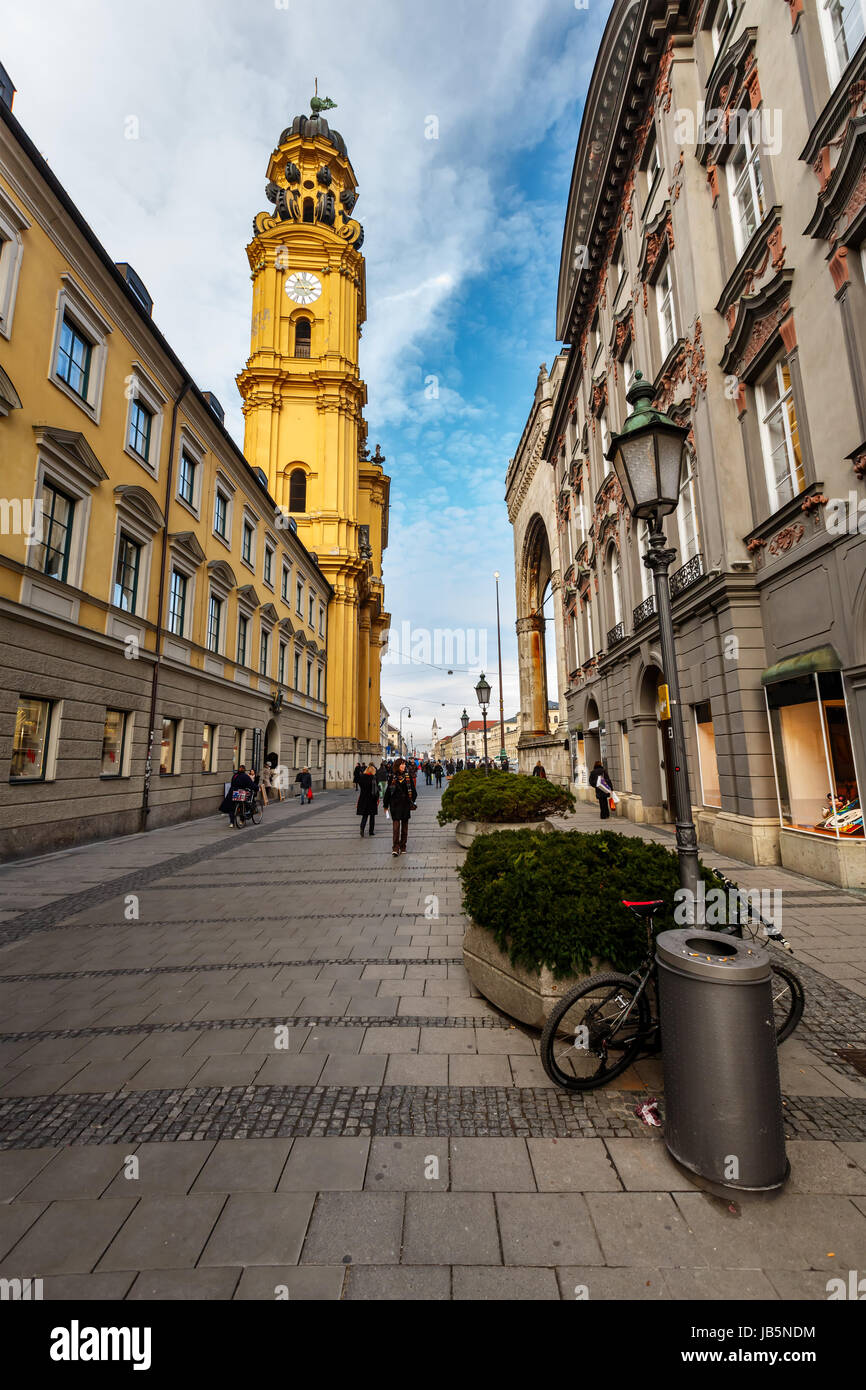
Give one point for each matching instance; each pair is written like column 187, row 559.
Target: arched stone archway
column 650, row 736
column 533, row 582
column 591, row 738
column 272, row 738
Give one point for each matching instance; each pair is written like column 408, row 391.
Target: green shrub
column 555, row 898
column 502, row 797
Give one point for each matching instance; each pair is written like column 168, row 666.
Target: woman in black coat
column 400, row 800
column 368, row 798
column 599, row 774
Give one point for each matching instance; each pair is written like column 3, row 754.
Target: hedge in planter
column 502, row 797
column 556, row 899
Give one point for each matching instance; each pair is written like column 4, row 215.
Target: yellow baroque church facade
column 303, row 402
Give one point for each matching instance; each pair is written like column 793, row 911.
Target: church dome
column 315, row 128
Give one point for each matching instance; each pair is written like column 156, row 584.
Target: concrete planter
column 527, row 995
column 466, row 830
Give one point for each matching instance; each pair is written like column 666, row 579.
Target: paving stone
column 164, row 1233
column 545, row 1228
column 15, row 1219
column 820, row 1166
column 258, row 1228
column 415, row 1070
column 285, row 1069
column 456, row 1040
column 479, row 1071
column 343, row 1040
column 165, row 1074
column 263, row 1040
column 402, row 1165
column 450, row 1228
column 244, row 1165
column 528, row 1071
column 361, row 1228
column 710, row 1285
column 799, row 1235
column 503, row 1040
column 805, row 1285
column 298, row 1284
column 644, row 1228
column 79, row 1171
column 354, row 1071
column 572, row 1165
column 229, row 1070
column 599, row 1285
column 163, row 1169
column 84, row 1288
column 388, row 1040
column 189, row 1285
column 644, row 1165
column 487, row 1284
column 491, row 1165
column 382, row 1283
column 18, row 1167
column 325, row 1165
column 68, row 1238
column 42, row 1080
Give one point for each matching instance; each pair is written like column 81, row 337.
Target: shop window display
column 815, row 773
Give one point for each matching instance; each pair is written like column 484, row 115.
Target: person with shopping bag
column 305, row 782
column 599, row 779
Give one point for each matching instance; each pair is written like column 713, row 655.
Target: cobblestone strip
column 37, row 976
column 308, row 1021
column 322, row 1111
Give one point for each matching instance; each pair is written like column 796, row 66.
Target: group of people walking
column 248, row 787
column 394, row 785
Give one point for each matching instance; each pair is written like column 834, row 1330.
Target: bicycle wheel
column 789, row 1000
column 594, row 1032
column 240, row 817
column 256, row 813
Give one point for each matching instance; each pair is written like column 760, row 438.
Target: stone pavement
column 250, row 1065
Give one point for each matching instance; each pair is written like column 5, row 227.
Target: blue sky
column 463, row 232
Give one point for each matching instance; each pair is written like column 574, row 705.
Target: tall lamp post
column 464, row 720
column 648, row 459
column 482, row 690
column 409, row 712
column 499, row 649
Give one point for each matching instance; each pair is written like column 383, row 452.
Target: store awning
column 806, row 664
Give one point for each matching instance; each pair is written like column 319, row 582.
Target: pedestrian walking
column 399, row 801
column 357, row 775
column 368, row 799
column 305, row 782
column 382, row 776
column 437, row 772
column 241, row 783
column 600, row 781
column 538, row 770
column 265, row 781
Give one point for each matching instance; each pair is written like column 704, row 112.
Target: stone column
column 362, row 728
column 533, row 674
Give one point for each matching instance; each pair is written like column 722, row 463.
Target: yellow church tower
column 303, row 399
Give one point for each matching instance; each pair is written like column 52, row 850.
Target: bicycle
column 599, row 1028
column 248, row 810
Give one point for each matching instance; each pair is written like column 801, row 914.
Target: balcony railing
column 644, row 611
column 687, row 574
column 302, row 349
column 616, row 635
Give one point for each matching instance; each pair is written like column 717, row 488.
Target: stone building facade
column 714, row 241
column 160, row 620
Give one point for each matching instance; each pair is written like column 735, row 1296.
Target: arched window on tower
column 303, row 335
column 298, row 490
column 309, row 209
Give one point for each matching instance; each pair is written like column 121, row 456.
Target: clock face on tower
column 303, row 287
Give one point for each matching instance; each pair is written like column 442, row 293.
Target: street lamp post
column 464, row 720
column 499, row 649
column 482, row 690
column 400, row 748
column 648, row 459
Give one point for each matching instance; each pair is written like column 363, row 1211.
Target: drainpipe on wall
column 154, row 684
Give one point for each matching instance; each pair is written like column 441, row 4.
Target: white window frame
column 224, row 485
column 616, row 585
column 215, row 595
column 765, row 411
column 12, row 224
column 177, row 760
column 628, row 369
column 49, row 761
column 300, row 588
column 747, row 178
column 590, row 642
column 214, row 749
column 265, row 634
column 321, row 620
column 835, row 66
column 244, row 616
column 286, row 587
column 604, row 436
column 689, row 537
column 188, row 444
column 140, row 387
column 73, row 303
column 173, row 569
column 647, row 587
column 178, row 561
column 126, row 747
column 270, row 549
column 282, row 658
column 132, row 527
column 249, row 519
column 665, row 304
column 724, row 10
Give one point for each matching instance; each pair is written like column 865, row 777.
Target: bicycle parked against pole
column 599, row 1028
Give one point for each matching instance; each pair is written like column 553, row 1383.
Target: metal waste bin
column 723, row 1101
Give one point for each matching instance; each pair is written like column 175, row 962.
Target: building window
column 300, row 598
column 221, row 515
column 321, row 622
column 287, row 579
column 628, row 369
column 281, row 664
column 126, row 573
column 168, row 757
column 51, row 555
column 319, row 683
column 268, row 569
column 843, row 23
column 780, row 436
column 208, row 747
column 297, row 680
column 243, row 629
column 587, row 614
column 746, row 188
column 665, row 306
column 238, row 749
column 618, row 271
column 177, row 604
column 296, row 748
column 303, row 336
column 708, row 765
column 214, row 623
column 816, row 779
column 186, row 480
column 616, row 585
column 247, row 543
column 74, row 356
column 113, row 743
column 309, row 677
column 687, row 514
column 298, row 491
column 30, row 741
column 264, row 652
column 724, row 11
column 314, row 752
column 643, row 547
column 140, row 420
column 604, row 434
column 311, row 611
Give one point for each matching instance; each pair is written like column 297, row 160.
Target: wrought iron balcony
column 687, row 574
column 644, row 611
column 616, row 635
column 302, row 349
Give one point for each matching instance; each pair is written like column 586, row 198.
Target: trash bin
column 723, row 1101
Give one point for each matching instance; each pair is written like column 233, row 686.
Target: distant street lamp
column 482, row 690
column 464, row 720
column 648, row 458
column 409, row 712
column 499, row 648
